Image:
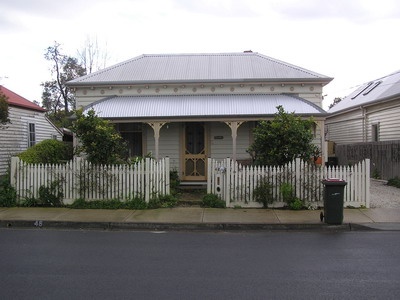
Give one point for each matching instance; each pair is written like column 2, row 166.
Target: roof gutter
column 322, row 81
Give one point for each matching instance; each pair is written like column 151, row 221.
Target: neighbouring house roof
column 17, row 100
column 377, row 90
column 181, row 106
column 222, row 67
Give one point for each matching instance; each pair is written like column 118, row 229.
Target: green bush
column 47, row 151
column 163, row 201
column 394, row 182
column 174, row 181
column 287, row 193
column 97, row 204
column 296, row 204
column 51, row 195
column 212, row 200
column 263, row 192
column 78, row 204
column 30, row 201
column 8, row 195
column 136, row 203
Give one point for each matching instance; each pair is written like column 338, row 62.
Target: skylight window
column 372, row 87
column 360, row 92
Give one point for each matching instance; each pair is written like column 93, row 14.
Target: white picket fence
column 235, row 183
column 81, row 179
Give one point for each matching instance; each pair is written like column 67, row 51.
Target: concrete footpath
column 196, row 218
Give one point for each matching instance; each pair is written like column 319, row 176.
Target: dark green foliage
column 263, row 192
column 99, row 139
column 8, row 195
column 394, row 182
column 296, row 204
column 78, row 204
column 29, row 202
column 97, row 204
column 47, row 151
column 136, row 203
column 287, row 192
column 163, row 201
column 174, row 182
column 3, row 109
column 51, row 195
column 283, row 139
column 289, row 197
column 60, row 118
column 212, row 200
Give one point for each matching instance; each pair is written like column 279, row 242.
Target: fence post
column 297, row 165
column 147, row 180
column 167, row 171
column 14, row 166
column 209, row 174
column 227, row 182
column 367, row 182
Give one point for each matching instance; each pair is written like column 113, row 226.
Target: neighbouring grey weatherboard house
column 366, row 124
column 193, row 106
column 28, row 126
column 368, row 114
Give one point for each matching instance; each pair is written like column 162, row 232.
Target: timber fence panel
column 81, row 179
column 304, row 177
column 384, row 157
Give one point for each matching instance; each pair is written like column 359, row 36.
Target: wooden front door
column 195, row 154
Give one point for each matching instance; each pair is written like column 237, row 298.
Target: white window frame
column 31, row 134
column 375, row 132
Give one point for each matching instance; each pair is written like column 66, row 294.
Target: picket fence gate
column 235, row 183
column 81, row 179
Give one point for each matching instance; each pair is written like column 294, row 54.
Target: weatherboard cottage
column 193, row 106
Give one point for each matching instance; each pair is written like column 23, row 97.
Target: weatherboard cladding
column 199, row 68
column 201, row 105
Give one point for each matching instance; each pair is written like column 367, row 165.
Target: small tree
column 56, row 95
column 3, row 110
column 99, row 139
column 282, row 139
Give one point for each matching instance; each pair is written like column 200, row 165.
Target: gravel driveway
column 383, row 195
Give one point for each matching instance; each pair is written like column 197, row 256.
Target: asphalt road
column 57, row 264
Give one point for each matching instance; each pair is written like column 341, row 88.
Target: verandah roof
column 202, row 106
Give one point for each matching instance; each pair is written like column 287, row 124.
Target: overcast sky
column 353, row 41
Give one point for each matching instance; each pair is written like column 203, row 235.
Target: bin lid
column 334, row 181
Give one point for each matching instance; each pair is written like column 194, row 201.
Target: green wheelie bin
column 333, row 200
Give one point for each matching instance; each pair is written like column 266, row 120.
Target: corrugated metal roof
column 220, row 67
column 372, row 91
column 17, row 100
column 180, row 106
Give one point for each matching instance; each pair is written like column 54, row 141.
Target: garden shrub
column 296, row 204
column 287, row 193
column 212, row 200
column 263, row 192
column 47, row 151
column 8, row 195
column 97, row 204
column 136, row 203
column 394, row 182
column 29, row 201
column 51, row 195
column 163, row 201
